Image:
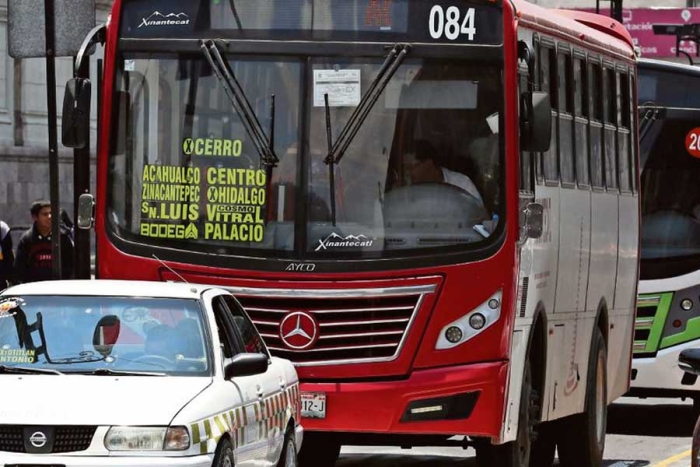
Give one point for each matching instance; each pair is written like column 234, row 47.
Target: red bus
column 431, row 207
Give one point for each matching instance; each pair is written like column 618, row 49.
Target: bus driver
column 427, row 169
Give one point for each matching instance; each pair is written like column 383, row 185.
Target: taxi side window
column 225, row 332
column 250, row 339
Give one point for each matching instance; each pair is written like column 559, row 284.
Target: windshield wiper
column 29, row 371
column 337, row 150
column 110, row 372
column 391, row 64
column 241, row 104
column 651, row 116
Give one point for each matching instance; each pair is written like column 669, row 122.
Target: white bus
column 668, row 313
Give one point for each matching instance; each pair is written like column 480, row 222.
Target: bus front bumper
column 465, row 400
column 655, row 374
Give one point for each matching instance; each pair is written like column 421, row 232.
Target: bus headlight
column 454, row 334
column 124, row 438
column 471, row 324
column 687, row 304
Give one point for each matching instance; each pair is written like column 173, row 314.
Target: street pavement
column 641, row 433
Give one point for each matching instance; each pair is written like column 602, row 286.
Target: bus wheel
column 516, row 453
column 544, row 446
column 583, row 436
column 318, row 451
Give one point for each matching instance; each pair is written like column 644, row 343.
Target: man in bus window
column 427, row 169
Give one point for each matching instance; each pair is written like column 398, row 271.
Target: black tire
column 544, row 447
column 516, row 453
column 289, row 449
column 224, row 454
column 318, row 450
column 582, row 439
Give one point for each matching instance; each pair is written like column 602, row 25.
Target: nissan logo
column 38, row 439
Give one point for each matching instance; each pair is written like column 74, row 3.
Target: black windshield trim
column 405, row 259
column 667, row 268
column 351, row 49
column 258, row 259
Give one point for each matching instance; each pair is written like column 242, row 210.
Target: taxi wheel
column 318, row 451
column 583, row 436
column 224, row 454
column 289, row 452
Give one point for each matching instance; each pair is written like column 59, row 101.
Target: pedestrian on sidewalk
column 34, row 261
column 7, row 256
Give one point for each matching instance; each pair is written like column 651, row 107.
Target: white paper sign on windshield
column 343, row 87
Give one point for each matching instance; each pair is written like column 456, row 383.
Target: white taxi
column 116, row 373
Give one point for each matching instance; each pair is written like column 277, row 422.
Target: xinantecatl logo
column 338, row 241
column 159, row 19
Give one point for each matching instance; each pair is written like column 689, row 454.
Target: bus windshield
column 423, row 171
column 671, row 193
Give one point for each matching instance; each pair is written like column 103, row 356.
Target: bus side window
column 624, row 142
column 610, row 112
column 548, row 80
column 566, row 131
column 581, row 113
column 634, row 125
column 526, row 158
column 595, row 104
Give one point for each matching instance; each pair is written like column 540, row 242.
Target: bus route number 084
column 451, row 24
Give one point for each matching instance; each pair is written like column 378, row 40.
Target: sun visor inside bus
column 359, row 20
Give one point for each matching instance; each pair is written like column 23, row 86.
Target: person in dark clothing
column 34, row 261
column 7, row 257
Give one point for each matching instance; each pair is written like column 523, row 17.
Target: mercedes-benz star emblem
column 299, row 330
column 38, row 439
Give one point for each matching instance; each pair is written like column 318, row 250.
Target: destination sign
column 479, row 22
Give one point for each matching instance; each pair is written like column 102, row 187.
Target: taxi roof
column 109, row 288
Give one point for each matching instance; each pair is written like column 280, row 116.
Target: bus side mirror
column 689, row 361
column 76, row 113
column 86, row 211
column 535, row 122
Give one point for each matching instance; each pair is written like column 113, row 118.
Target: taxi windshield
column 104, row 335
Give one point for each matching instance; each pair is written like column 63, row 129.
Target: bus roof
column 589, row 28
column 673, row 67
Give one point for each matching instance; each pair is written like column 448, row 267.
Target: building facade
column 24, row 168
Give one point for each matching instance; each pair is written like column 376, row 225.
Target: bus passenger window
column 595, row 94
column 610, row 137
column 548, row 80
column 566, row 133
column 581, row 124
column 624, row 134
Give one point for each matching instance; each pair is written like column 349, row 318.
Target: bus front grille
column 319, row 327
column 652, row 311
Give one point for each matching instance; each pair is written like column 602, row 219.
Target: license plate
column 313, row 404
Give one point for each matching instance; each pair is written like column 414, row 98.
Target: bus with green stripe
column 668, row 306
